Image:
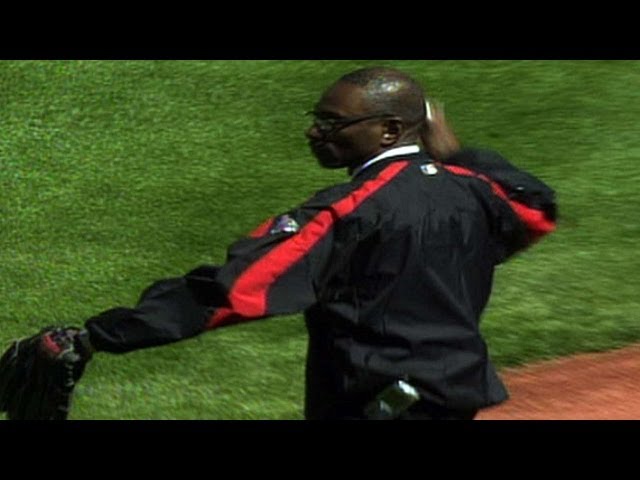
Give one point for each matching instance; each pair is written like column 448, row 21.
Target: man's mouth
column 325, row 155
column 320, row 149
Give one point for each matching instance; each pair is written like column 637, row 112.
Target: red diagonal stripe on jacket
column 248, row 295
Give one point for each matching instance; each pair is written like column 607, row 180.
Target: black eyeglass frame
column 330, row 125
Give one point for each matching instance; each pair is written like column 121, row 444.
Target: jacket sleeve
column 277, row 269
column 524, row 206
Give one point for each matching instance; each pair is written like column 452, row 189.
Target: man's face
column 346, row 131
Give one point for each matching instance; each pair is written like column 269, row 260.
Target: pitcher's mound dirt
column 600, row 386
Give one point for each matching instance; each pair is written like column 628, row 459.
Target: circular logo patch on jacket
column 284, row 224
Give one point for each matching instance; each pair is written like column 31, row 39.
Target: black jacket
column 392, row 270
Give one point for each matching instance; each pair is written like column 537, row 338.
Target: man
column 392, row 269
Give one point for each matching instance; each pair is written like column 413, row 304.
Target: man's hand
column 438, row 138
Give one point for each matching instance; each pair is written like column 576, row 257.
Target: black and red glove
column 38, row 374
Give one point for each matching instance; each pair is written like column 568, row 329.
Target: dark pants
column 419, row 411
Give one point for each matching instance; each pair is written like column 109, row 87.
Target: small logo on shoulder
column 284, row 224
column 429, row 169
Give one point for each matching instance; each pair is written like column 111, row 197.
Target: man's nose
column 313, row 133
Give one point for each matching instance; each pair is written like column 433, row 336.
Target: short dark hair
column 390, row 91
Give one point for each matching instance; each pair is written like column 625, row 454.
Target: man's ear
column 391, row 133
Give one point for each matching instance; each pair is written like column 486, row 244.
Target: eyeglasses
column 328, row 125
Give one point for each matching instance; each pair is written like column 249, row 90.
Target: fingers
column 429, row 110
column 435, row 112
column 438, row 137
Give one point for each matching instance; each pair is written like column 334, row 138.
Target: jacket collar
column 394, row 152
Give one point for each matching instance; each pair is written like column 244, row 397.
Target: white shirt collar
column 394, row 152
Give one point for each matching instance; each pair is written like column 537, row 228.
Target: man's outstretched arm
column 277, row 269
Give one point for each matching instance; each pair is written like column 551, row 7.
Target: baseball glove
column 38, row 374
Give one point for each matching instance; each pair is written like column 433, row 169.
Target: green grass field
column 117, row 173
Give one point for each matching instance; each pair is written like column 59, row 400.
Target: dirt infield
column 601, row 386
